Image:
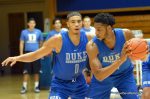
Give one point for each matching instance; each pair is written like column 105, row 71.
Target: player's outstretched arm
column 46, row 49
column 96, row 67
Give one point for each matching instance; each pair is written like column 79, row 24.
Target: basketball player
column 146, row 79
column 109, row 62
column 87, row 25
column 30, row 40
column 70, row 60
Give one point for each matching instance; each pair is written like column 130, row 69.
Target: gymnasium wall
column 132, row 14
column 9, row 7
column 73, row 5
column 135, row 22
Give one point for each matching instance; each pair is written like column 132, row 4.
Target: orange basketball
column 138, row 47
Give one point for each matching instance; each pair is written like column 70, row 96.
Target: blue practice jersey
column 146, row 64
column 31, row 39
column 108, row 56
column 54, row 32
column 70, row 62
column 91, row 30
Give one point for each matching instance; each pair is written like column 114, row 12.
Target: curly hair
column 105, row 18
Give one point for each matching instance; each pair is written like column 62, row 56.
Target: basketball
column 138, row 48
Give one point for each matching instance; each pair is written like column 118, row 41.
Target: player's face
column 87, row 22
column 57, row 24
column 31, row 24
column 74, row 24
column 101, row 30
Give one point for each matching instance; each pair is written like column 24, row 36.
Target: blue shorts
column 62, row 89
column 145, row 78
column 124, row 82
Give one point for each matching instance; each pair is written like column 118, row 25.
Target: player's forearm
column 103, row 73
column 29, row 57
column 32, row 56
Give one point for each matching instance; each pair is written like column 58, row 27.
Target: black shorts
column 32, row 67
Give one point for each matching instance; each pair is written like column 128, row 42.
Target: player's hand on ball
column 9, row 60
column 137, row 49
column 125, row 52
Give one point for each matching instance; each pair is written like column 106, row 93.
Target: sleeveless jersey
column 108, row 56
column 70, row 62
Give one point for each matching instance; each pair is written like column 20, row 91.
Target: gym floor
column 10, row 89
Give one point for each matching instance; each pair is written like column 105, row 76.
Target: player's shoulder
column 54, row 40
column 127, row 33
column 38, row 30
column 125, row 30
column 24, row 31
column 57, row 37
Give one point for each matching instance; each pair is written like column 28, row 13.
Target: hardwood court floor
column 10, row 89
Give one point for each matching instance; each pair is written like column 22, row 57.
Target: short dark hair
column 57, row 18
column 31, row 19
column 73, row 14
column 104, row 18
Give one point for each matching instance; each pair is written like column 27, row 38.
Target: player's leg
column 146, row 84
column 126, row 86
column 80, row 88
column 59, row 89
column 81, row 94
column 36, row 71
column 100, row 89
column 26, row 72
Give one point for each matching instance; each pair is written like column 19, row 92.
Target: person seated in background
column 57, row 24
column 87, row 25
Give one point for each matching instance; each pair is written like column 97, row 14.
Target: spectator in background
column 87, row 25
column 57, row 23
column 30, row 40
